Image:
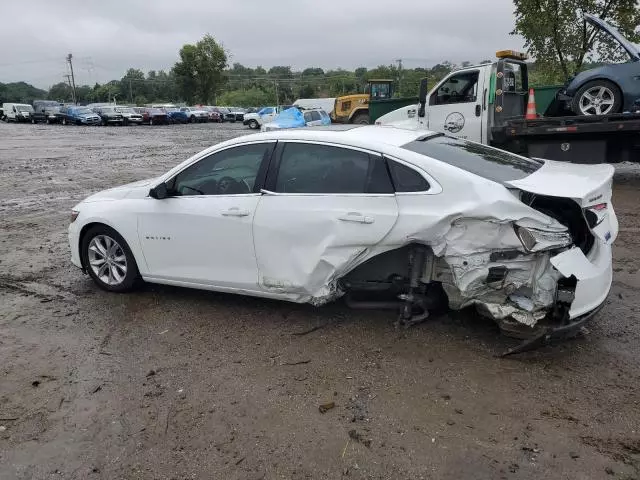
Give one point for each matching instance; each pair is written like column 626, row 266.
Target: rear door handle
column 356, row 218
column 478, row 110
column 236, row 212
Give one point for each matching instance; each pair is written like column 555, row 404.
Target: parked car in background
column 109, row 115
column 17, row 112
column 264, row 115
column 131, row 117
column 47, row 111
column 238, row 113
column 214, row 115
column 227, row 115
column 383, row 214
column 152, row 116
column 296, row 118
column 174, row 114
column 79, row 116
column 196, row 114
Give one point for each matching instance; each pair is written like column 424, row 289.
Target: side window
column 230, row 172
column 307, row 116
column 313, row 168
column 459, row 88
column 315, row 115
column 267, row 111
column 406, row 179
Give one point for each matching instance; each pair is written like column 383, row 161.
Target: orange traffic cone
column 531, row 106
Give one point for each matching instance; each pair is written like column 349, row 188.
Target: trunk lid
column 590, row 186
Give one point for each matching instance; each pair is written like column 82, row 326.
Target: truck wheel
column 361, row 119
column 192, row 119
column 253, row 124
column 598, row 97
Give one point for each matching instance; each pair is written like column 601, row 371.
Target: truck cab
column 469, row 102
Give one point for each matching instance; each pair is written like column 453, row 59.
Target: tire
column 253, row 124
column 121, row 273
column 591, row 97
column 361, row 119
column 125, row 122
column 192, row 119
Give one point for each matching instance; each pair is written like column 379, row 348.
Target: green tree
column 60, row 92
column 556, row 35
column 200, row 70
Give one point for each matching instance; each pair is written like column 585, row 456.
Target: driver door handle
column 236, row 212
column 356, row 217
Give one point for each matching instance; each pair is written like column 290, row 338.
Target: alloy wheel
column 598, row 100
column 107, row 260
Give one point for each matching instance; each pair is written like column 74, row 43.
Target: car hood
column 137, row 189
column 598, row 23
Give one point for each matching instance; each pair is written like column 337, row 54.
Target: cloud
column 106, row 38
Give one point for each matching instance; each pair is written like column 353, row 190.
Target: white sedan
column 388, row 217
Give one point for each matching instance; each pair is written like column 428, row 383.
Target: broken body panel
column 474, row 250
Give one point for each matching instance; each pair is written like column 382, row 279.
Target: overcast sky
column 107, row 37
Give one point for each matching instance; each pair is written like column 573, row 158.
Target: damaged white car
column 390, row 218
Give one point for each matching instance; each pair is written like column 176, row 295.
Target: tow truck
column 487, row 104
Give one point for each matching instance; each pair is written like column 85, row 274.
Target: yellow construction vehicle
column 355, row 108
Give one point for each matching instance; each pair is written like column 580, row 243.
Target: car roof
column 357, row 135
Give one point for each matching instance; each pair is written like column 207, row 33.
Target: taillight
column 595, row 214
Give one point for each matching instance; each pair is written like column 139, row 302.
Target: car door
column 455, row 106
column 325, row 206
column 202, row 233
column 268, row 114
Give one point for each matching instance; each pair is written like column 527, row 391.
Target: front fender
column 126, row 227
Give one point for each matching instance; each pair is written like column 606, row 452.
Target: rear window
column 481, row 160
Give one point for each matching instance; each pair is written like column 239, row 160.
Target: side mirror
column 159, row 191
column 422, row 96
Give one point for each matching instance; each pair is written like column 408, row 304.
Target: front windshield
column 171, row 109
column 83, row 111
column 265, row 111
column 125, row 110
column 107, row 110
column 24, row 108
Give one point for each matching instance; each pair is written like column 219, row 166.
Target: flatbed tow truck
column 487, row 104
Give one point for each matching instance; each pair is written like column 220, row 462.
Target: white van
column 17, row 112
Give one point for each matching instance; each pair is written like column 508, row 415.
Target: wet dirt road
column 168, row 383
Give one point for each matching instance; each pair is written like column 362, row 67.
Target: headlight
column 74, row 215
column 540, row 240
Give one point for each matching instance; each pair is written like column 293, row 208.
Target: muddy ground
column 169, row 383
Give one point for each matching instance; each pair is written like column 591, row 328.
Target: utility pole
column 399, row 60
column 130, row 93
column 73, row 80
column 68, row 77
column 277, row 98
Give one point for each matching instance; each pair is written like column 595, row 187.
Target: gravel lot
column 169, row 383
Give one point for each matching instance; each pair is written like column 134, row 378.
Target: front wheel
column 599, row 97
column 108, row 259
column 193, row 119
column 253, row 124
